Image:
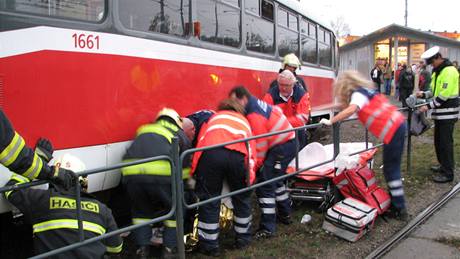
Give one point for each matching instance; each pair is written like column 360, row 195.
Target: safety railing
column 178, row 202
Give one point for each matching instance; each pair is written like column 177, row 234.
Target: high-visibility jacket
column 225, row 126
column 379, row 116
column 54, row 220
column 265, row 118
column 444, row 90
column 155, row 140
column 18, row 157
column 297, row 108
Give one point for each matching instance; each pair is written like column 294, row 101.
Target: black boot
column 442, row 178
column 169, row 253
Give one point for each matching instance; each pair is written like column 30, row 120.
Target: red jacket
column 265, row 118
column 225, row 126
column 379, row 116
column 297, row 109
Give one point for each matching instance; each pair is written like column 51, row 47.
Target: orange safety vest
column 381, row 118
column 226, row 126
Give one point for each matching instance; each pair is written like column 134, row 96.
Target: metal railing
column 178, row 202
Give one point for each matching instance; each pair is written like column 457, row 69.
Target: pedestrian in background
column 424, row 80
column 358, row 95
column 387, row 72
column 445, row 109
column 376, row 74
column 406, row 84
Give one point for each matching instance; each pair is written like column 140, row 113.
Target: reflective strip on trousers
column 282, row 197
column 67, row 224
column 208, row 226
column 242, row 230
column 397, row 192
column 267, row 200
column 268, row 210
column 281, row 189
column 242, row 220
column 114, row 249
column 445, row 117
column 137, row 221
column 394, row 184
column 207, row 236
column 170, row 223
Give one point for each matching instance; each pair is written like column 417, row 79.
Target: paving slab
column 417, row 248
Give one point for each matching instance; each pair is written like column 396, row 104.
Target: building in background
column 397, row 44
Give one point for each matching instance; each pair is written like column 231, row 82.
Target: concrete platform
column 424, row 242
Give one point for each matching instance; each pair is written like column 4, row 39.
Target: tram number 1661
column 82, row 41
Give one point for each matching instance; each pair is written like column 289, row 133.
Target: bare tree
column 340, row 27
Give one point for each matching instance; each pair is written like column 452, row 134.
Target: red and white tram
column 87, row 73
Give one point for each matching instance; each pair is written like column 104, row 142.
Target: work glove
column 44, row 149
column 325, row 122
column 63, row 177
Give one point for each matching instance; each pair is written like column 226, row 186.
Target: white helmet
column 70, row 162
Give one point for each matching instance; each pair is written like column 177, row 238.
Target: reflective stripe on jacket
column 444, row 90
column 380, row 117
column 265, row 118
column 225, row 126
column 152, row 140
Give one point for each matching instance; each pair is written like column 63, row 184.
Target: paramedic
column 192, row 124
column 212, row 167
column 358, row 95
column 273, row 156
column 293, row 100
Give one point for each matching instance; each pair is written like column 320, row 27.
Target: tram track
column 418, row 220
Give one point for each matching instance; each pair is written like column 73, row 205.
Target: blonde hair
column 346, row 83
column 231, row 105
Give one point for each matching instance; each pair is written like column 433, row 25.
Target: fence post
column 81, row 236
column 409, row 140
column 177, row 169
column 336, row 138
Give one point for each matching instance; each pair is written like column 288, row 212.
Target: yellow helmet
column 291, row 60
column 170, row 113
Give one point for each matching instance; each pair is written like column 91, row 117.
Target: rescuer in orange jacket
column 293, row 100
column 273, row 156
column 230, row 162
column 358, row 95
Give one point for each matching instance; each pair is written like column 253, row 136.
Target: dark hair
column 240, row 92
column 230, row 105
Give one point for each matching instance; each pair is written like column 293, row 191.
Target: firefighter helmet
column 170, row 113
column 291, row 60
column 70, row 162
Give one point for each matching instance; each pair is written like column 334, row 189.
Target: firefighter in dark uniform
column 445, row 109
column 19, row 158
column 53, row 217
column 149, row 184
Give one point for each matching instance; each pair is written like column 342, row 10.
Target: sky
column 366, row 16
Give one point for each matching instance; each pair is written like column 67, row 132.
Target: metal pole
column 177, row 169
column 78, row 208
column 336, row 138
column 297, row 146
column 405, row 15
column 409, row 137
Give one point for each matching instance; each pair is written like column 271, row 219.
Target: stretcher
column 315, row 184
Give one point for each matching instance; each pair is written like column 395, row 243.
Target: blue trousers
column 273, row 197
column 215, row 166
column 392, row 155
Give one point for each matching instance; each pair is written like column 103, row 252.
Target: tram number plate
column 85, row 41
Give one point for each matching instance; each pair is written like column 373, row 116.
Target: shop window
column 86, row 10
column 162, row 16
